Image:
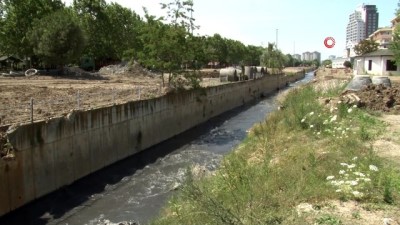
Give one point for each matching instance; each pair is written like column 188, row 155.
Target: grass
column 285, row 161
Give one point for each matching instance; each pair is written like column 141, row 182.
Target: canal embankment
column 53, row 153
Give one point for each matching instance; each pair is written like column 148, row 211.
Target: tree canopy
column 365, row 46
column 395, row 44
column 109, row 32
column 57, row 38
column 17, row 19
column 273, row 58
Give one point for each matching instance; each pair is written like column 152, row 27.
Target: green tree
column 57, row 38
column 180, row 13
column 17, row 19
column 96, row 26
column 163, row 46
column 365, row 46
column 252, row 55
column 327, row 62
column 273, row 58
column 122, row 30
column 235, row 52
column 216, row 49
column 347, row 64
column 395, row 45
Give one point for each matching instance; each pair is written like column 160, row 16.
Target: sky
column 297, row 26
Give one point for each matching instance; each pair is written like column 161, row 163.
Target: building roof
column 379, row 52
column 383, row 29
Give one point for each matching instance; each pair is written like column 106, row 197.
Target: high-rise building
column 316, row 56
column 310, row 56
column 362, row 23
column 306, row 56
column 371, row 17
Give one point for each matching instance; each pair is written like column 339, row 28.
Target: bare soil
column 56, row 96
column 379, row 98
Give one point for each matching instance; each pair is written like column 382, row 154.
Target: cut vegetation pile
column 309, row 163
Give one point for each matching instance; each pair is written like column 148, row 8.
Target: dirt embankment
column 376, row 98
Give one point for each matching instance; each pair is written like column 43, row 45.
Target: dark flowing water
column 136, row 188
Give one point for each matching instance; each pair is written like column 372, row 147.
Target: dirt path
column 388, row 145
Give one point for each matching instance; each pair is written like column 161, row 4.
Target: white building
column 338, row 63
column 380, row 62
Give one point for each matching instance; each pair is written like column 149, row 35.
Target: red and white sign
column 329, row 42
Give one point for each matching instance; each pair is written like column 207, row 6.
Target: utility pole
column 294, row 51
column 276, row 41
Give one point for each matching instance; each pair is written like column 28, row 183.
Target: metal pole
column 31, row 110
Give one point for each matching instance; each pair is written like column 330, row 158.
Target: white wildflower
column 311, row 126
column 353, row 183
column 357, row 194
column 311, row 113
column 331, row 110
column 355, row 158
column 354, row 106
column 373, row 168
column 351, row 166
column 304, row 119
column 318, row 133
column 367, row 179
column 349, row 110
column 334, row 118
column 342, row 172
column 344, row 164
column 325, row 122
column 335, row 183
column 338, row 190
column 330, row 177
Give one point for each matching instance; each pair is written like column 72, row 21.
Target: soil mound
column 376, row 98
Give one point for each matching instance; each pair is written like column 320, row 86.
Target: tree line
column 49, row 33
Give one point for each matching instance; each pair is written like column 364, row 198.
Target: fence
column 24, row 109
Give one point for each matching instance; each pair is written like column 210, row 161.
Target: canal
column 135, row 189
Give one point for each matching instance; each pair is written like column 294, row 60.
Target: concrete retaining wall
column 51, row 154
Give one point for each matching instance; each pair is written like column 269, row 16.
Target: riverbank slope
column 316, row 161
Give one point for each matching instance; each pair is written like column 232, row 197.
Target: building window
column 369, row 65
column 391, row 65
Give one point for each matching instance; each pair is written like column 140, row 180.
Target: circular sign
column 329, row 42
